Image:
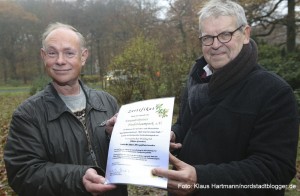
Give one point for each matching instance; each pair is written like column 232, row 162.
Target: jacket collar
column 197, row 71
column 55, row 106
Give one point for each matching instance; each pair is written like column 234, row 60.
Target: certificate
column 140, row 142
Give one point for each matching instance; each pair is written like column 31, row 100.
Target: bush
column 39, row 84
column 90, row 78
column 275, row 59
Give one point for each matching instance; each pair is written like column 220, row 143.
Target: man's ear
column 43, row 54
column 84, row 56
column 247, row 34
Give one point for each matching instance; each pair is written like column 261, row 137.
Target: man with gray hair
column 237, row 130
column 58, row 139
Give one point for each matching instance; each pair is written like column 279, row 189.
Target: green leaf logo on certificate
column 140, row 142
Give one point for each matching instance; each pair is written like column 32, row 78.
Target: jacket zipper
column 91, row 151
column 90, row 144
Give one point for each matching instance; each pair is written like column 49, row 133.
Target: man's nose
column 216, row 43
column 61, row 58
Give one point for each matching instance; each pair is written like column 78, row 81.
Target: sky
column 165, row 5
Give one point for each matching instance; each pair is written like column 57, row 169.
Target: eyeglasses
column 68, row 54
column 223, row 37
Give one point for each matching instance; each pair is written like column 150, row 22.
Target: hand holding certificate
column 140, row 142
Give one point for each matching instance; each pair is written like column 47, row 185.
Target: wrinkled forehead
column 62, row 37
column 217, row 24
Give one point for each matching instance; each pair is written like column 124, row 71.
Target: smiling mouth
column 61, row 70
column 217, row 54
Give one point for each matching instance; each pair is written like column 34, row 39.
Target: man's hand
column 94, row 183
column 173, row 145
column 180, row 181
column 110, row 124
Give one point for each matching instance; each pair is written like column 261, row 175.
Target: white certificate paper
column 140, row 142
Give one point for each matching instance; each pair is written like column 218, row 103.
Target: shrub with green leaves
column 39, row 84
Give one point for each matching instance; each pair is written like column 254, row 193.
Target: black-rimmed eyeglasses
column 223, row 37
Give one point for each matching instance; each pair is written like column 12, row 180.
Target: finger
column 172, row 175
column 173, row 184
column 172, row 136
column 92, row 176
column 164, row 172
column 92, row 179
column 160, row 172
column 111, row 122
column 175, row 146
column 99, row 188
column 177, row 163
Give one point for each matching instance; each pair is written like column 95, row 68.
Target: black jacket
column 47, row 148
column 244, row 137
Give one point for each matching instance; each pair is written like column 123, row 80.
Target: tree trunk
column 291, row 27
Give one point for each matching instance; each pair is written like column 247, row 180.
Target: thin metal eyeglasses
column 53, row 54
column 224, row 37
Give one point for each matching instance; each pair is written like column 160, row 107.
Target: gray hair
column 217, row 8
column 53, row 26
